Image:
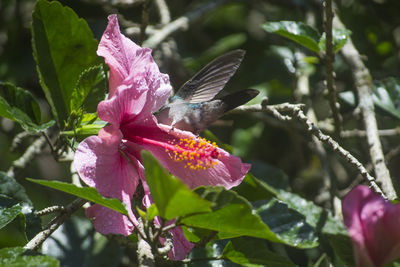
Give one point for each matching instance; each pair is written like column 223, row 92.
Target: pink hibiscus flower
column 111, row 161
column 374, row 226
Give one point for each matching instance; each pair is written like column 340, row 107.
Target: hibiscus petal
column 118, row 51
column 373, row 226
column 228, row 172
column 107, row 221
column 124, row 107
column 101, row 165
column 181, row 246
column 132, row 68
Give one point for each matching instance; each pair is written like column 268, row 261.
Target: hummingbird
column 193, row 107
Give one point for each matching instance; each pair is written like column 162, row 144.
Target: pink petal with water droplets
column 125, row 106
column 101, row 165
column 133, row 68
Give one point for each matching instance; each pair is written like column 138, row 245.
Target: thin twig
column 181, row 23
column 48, row 210
column 162, row 7
column 167, row 246
column 296, row 110
column 298, row 113
column 17, row 140
column 35, row 148
column 145, row 21
column 388, row 156
column 169, row 227
column 363, row 83
column 329, row 59
column 362, row 133
column 35, row 242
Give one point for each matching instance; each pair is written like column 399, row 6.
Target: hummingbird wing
column 208, row 112
column 211, row 79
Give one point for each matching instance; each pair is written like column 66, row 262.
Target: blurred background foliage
column 272, row 65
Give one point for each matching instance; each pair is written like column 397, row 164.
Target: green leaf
column 152, row 212
column 85, row 130
column 340, row 37
column 295, row 31
column 90, row 90
column 20, row 106
column 30, row 223
column 63, row 47
column 11, row 188
column 289, row 225
column 252, row 189
column 322, row 222
column 211, row 250
column 9, row 210
column 88, row 193
column 386, row 95
column 20, row 257
column 172, row 197
column 253, row 252
column 314, row 215
column 232, row 216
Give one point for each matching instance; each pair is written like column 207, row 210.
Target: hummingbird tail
column 239, row 98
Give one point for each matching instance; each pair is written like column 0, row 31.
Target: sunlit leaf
column 152, row 212
column 340, row 37
column 232, row 216
column 63, row 47
column 295, row 31
column 172, row 197
column 88, row 193
column 90, row 90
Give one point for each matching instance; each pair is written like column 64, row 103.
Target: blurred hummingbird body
column 193, row 107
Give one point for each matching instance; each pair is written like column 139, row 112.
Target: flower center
column 197, row 154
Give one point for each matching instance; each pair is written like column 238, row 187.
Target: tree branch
column 361, row 133
column 144, row 252
column 181, row 23
column 35, row 242
column 363, row 84
column 49, row 210
column 162, row 7
column 34, row 149
column 297, row 112
column 329, row 59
